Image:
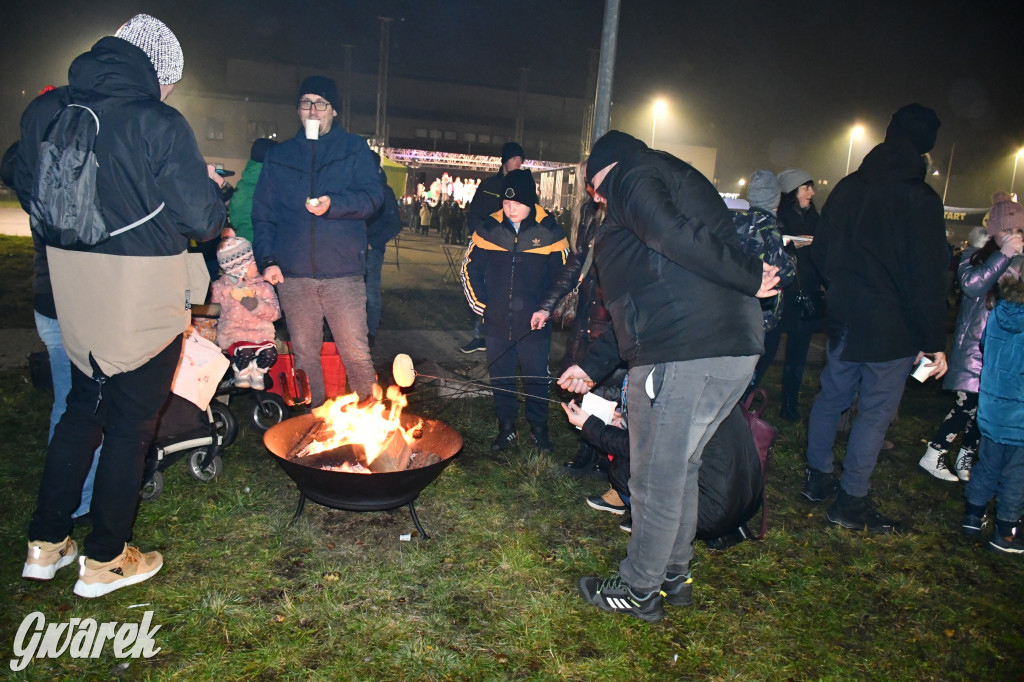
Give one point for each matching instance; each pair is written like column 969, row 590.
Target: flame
column 371, row 425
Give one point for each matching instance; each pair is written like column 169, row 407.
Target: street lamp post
column 659, row 106
column 856, row 131
column 1013, row 178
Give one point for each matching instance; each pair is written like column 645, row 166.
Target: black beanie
column 916, row 123
column 260, row 148
column 610, row 148
column 319, row 85
column 519, row 186
column 511, row 150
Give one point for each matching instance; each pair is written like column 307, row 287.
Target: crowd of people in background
column 675, row 307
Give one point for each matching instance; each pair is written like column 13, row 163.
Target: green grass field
column 340, row 596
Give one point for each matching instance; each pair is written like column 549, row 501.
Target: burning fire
column 373, row 426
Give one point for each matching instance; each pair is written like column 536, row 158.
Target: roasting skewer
column 405, row 374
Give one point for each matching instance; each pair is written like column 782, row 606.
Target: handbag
column 764, row 435
column 810, row 304
column 565, row 311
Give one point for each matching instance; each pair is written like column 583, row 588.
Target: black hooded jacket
column 673, row 274
column 881, row 249
column 147, row 156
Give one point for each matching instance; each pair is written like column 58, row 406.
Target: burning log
column 301, row 448
column 393, row 456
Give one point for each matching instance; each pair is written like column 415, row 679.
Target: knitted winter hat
column 234, row 255
column 319, row 85
column 1005, row 215
column 520, row 186
column 510, row 150
column 791, row 178
column 610, row 148
column 917, row 124
column 159, row 43
column 259, row 149
column 763, row 190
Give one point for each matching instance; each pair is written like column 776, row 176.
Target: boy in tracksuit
column 511, row 262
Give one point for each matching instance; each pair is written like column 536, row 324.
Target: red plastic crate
column 334, row 371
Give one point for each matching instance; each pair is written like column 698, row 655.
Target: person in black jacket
column 681, row 293
column 486, row 201
column 881, row 249
column 123, row 356
column 380, row 229
column 512, row 260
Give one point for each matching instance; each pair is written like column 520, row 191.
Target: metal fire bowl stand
column 360, row 492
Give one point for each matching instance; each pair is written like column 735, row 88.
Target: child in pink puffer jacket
column 248, row 308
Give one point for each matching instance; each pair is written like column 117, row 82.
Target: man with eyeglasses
column 309, row 216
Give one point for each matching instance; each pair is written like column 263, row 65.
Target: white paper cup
column 312, row 129
column 923, row 370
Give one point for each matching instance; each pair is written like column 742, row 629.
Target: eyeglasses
column 306, row 105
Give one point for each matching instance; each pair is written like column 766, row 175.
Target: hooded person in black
column 881, row 250
column 123, row 355
column 681, row 291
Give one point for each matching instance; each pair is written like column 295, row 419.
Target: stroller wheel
column 268, row 409
column 152, row 488
column 201, row 473
column 227, row 425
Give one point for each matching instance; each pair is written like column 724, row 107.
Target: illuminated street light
column 659, row 107
column 743, row 181
column 856, row 131
column 1016, row 158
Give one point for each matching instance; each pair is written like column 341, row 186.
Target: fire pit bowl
column 360, row 492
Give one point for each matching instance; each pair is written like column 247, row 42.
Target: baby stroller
column 185, row 431
column 267, row 408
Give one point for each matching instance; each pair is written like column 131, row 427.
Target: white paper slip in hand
column 599, row 407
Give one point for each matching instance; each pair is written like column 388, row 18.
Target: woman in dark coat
column 798, row 217
column 591, row 316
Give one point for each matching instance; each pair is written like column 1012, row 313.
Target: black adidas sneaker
column 611, row 594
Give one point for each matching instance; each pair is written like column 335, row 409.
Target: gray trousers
column 342, row 300
column 667, row 435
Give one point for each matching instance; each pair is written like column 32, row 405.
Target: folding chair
column 453, row 253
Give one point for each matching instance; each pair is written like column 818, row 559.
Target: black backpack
column 65, row 209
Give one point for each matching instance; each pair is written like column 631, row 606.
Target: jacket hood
column 893, row 160
column 113, row 68
column 1009, row 315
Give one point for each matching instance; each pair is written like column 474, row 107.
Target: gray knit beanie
column 791, row 178
column 159, row 43
column 763, row 190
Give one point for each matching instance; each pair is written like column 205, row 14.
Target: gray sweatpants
column 671, row 419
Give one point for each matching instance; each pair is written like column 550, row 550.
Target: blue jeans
column 667, row 435
column 374, row 265
column 342, row 300
column 60, row 372
column 881, row 387
column 999, row 471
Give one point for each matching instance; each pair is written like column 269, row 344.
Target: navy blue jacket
column 1001, row 395
column 339, row 165
column 386, row 222
column 505, row 275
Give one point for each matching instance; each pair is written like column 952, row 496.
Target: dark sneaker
column 506, row 439
column 789, row 410
column 540, row 440
column 473, row 346
column 974, row 520
column 609, row 502
column 819, row 486
column 1006, row 538
column 677, row 589
column 857, row 513
column 611, row 594
column 627, row 524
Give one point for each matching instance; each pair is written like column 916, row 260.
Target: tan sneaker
column 609, row 502
column 131, row 566
column 44, row 558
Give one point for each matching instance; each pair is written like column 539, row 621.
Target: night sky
column 770, row 84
